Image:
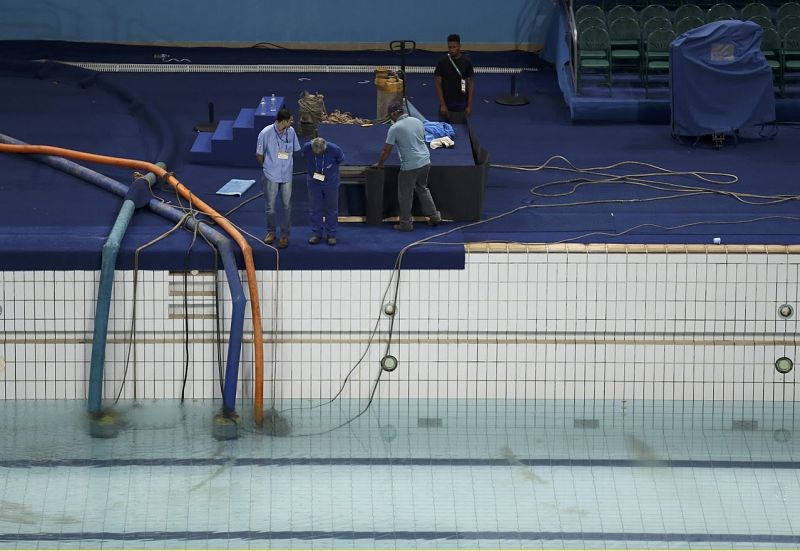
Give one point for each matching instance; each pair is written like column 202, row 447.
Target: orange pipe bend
column 247, row 251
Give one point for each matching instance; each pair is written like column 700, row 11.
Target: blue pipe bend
column 221, row 241
column 99, row 338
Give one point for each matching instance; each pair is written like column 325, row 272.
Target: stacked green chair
column 787, row 9
column 590, row 23
column 689, row 10
column 624, row 33
column 653, row 25
column 621, row 10
column 584, row 24
column 653, row 10
column 790, row 57
column 687, row 24
column 656, row 55
column 625, row 38
column 763, row 22
column 787, row 23
column 589, row 10
column 721, row 11
column 755, row 9
column 594, row 54
column 771, row 48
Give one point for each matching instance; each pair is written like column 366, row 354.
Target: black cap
column 395, row 107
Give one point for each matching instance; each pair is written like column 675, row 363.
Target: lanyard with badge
column 463, row 82
column 319, row 168
column 283, row 155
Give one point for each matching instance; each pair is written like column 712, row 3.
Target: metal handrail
column 569, row 6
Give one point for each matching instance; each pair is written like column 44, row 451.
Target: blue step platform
column 233, row 143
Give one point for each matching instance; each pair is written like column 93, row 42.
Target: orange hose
column 247, row 251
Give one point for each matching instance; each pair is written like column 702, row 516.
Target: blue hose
column 136, row 198
column 223, row 244
column 108, row 263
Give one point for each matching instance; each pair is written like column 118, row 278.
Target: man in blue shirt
column 323, row 160
column 408, row 134
column 274, row 148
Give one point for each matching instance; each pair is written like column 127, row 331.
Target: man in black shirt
column 454, row 80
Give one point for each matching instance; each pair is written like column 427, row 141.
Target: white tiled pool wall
column 510, row 326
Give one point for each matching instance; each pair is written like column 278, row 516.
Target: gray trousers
column 408, row 182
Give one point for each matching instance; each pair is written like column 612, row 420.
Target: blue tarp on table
column 720, row 79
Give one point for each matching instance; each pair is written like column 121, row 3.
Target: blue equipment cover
column 720, row 80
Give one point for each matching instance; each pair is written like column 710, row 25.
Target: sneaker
column 270, row 238
column 433, row 222
column 403, row 227
column 314, row 239
column 331, row 241
column 283, row 243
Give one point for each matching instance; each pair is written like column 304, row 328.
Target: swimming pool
column 416, row 474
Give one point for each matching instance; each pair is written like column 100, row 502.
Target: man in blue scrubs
column 323, row 160
column 408, row 134
column 274, row 149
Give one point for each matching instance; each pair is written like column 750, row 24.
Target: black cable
column 186, row 295
column 270, row 45
column 185, row 325
column 132, row 331
column 350, row 420
column 217, row 316
column 394, row 281
column 349, row 373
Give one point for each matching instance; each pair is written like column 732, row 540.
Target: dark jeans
column 453, row 117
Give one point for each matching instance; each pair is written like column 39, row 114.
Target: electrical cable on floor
column 269, row 45
column 719, row 178
column 679, row 226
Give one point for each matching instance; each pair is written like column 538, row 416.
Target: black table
column 457, row 179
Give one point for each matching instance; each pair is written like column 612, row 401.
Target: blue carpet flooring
column 150, row 116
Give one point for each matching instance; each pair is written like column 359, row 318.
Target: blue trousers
column 271, row 190
column 324, row 200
